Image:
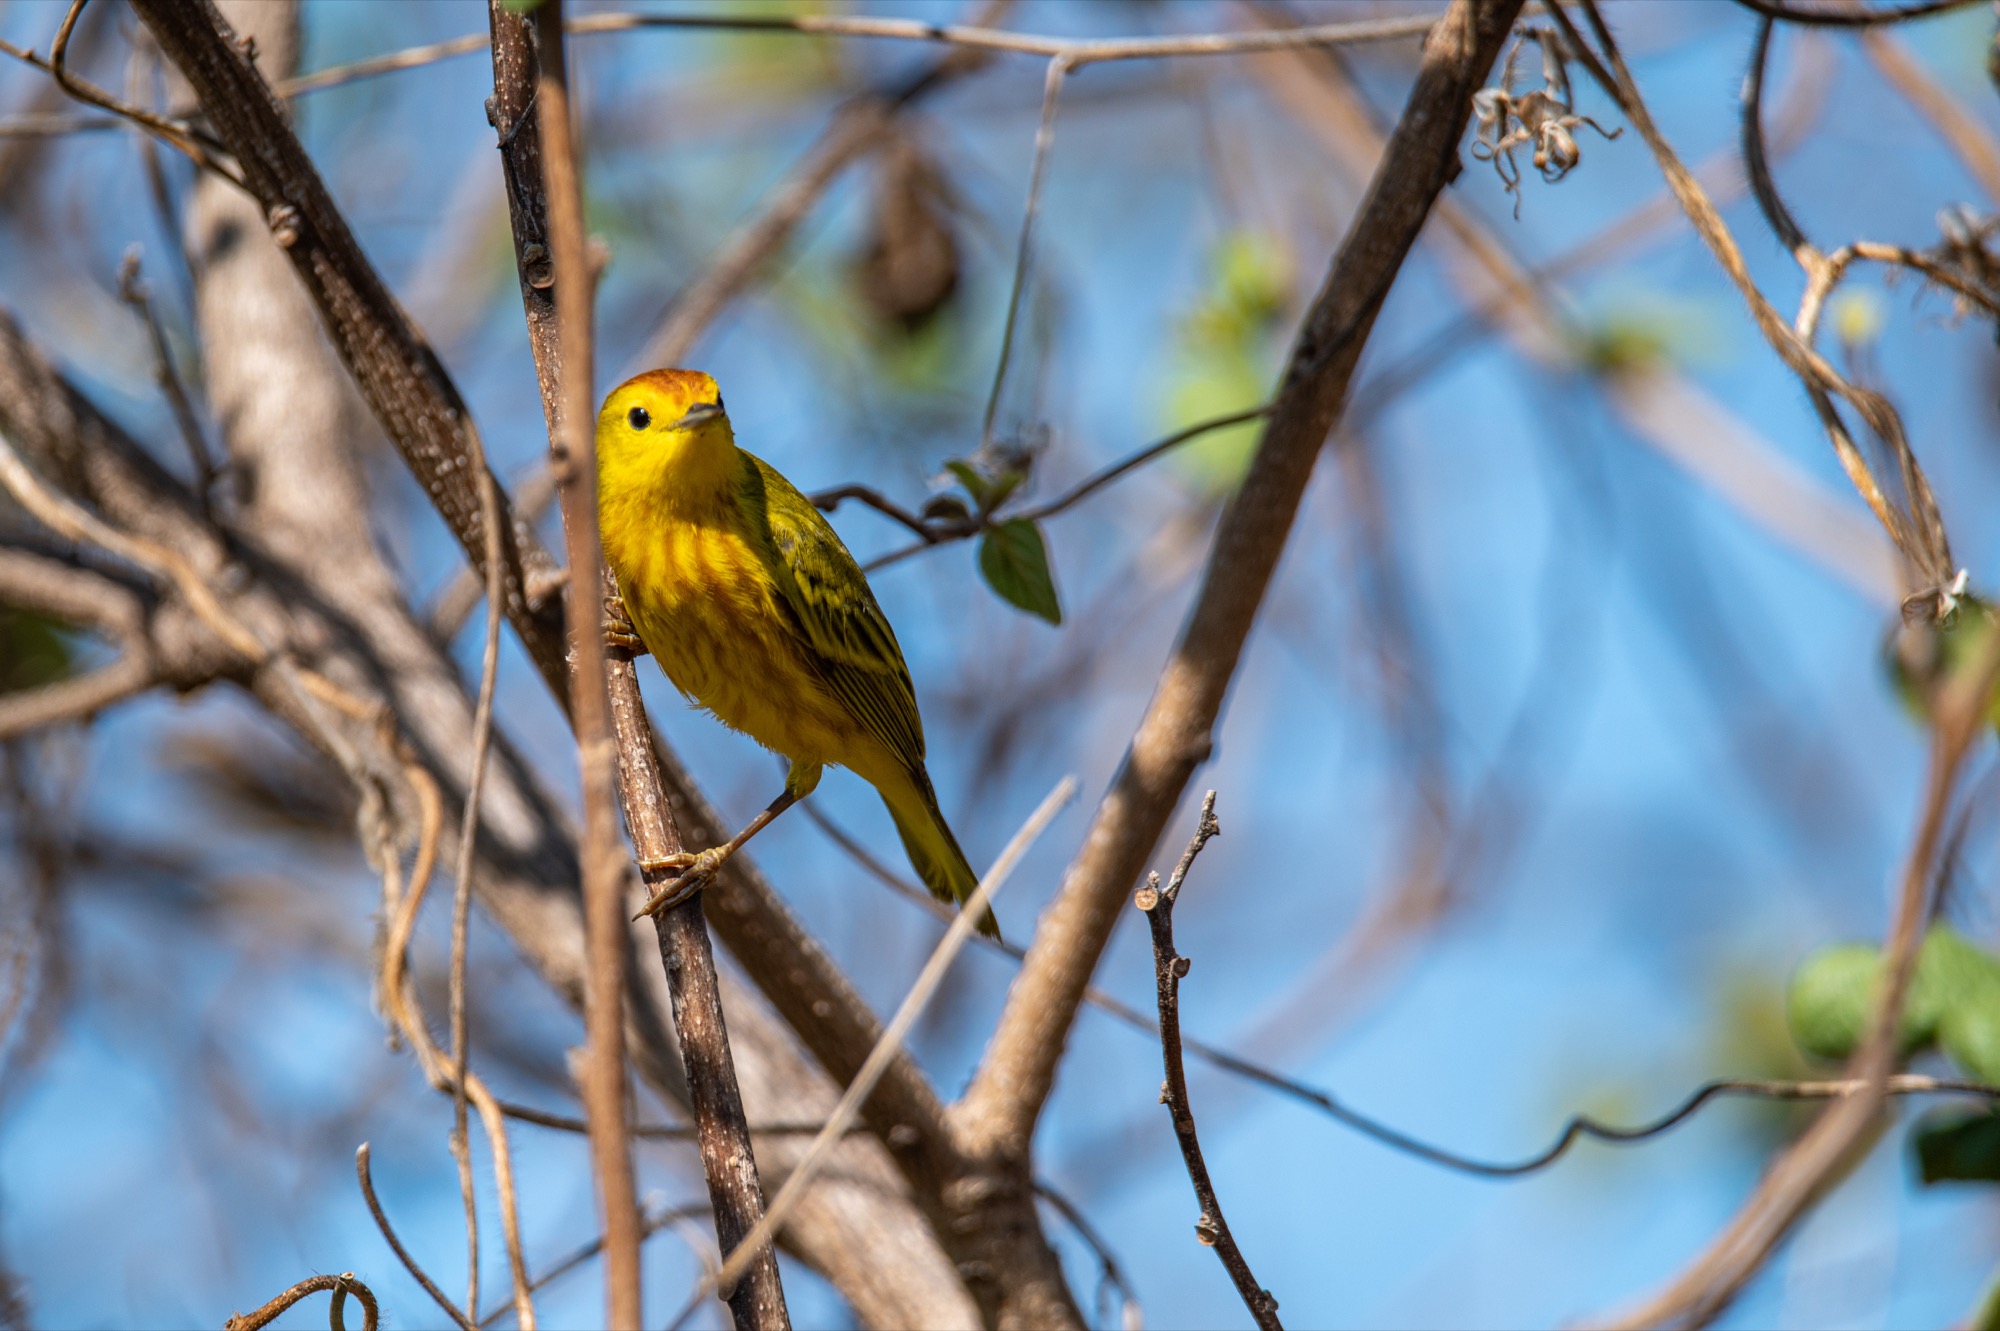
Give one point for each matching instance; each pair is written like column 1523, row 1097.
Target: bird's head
column 664, row 430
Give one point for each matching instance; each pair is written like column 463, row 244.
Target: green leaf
column 1958, row 1145
column 1970, row 1033
column 1016, row 565
column 1968, row 980
column 1217, row 384
column 1001, row 487
column 945, row 508
column 1828, row 1003
column 974, row 481
column 1835, row 991
column 520, row 6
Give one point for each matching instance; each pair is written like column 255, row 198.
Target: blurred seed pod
column 909, row 268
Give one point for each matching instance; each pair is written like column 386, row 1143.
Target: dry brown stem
column 1169, row 968
column 1958, row 127
column 341, row 1286
column 1914, row 523
column 573, row 454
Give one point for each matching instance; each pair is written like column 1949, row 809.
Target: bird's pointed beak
column 701, row 413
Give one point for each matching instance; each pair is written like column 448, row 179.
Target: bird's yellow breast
column 704, row 601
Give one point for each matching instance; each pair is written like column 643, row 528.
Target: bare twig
column 461, row 905
column 1113, row 1277
column 454, row 605
column 396, row 1245
column 79, row 698
column 132, row 290
column 542, row 1118
column 944, row 530
column 1045, row 134
column 342, row 1285
column 832, row 498
column 1169, row 968
column 1958, row 127
column 650, row 1224
column 1844, row 15
column 48, row 126
column 973, row 37
column 927, row 981
column 999, row 1111
column 573, row 458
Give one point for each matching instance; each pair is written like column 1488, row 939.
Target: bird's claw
column 697, row 871
column 619, row 632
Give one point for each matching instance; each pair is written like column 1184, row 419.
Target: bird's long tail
column 933, row 850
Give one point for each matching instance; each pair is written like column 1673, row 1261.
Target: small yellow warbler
column 744, row 594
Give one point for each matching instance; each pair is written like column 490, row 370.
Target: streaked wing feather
column 845, row 629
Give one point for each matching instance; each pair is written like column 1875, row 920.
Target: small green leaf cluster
column 1229, row 344
column 1013, row 557
column 1953, row 1002
column 1953, row 1005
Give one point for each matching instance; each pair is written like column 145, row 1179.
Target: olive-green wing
column 847, row 632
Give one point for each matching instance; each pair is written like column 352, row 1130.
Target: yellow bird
column 744, row 594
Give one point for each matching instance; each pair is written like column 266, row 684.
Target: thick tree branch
column 998, row 1114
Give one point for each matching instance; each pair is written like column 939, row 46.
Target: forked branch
column 1169, row 969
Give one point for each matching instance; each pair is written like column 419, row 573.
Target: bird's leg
column 619, row 633
column 698, row 870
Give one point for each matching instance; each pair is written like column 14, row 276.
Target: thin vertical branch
column 363, row 1173
column 1045, row 134
column 721, row 1125
column 133, row 291
column 1169, row 968
column 1961, row 131
column 461, row 902
column 573, row 451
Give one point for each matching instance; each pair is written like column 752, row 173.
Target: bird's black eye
column 639, row 417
